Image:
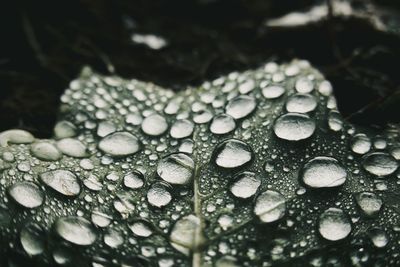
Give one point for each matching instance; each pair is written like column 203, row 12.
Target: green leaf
column 252, row 169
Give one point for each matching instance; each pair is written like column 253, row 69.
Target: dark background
column 44, row 45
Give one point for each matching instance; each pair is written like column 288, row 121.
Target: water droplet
column 245, row 185
column 101, row 219
column 62, row 181
column 294, row 127
column 232, row 153
column 380, row 163
column 113, row 238
column 15, row 137
column 334, row 224
column 378, row 237
column 76, row 230
column 182, row 129
column 141, row 229
column 134, row 180
column 64, row 129
column 32, row 239
column 222, row 124
column 304, row 85
column 119, row 144
column 159, row 195
column 241, row 106
column 45, row 151
column 273, row 91
column 177, row 168
column 26, row 194
column 270, row 206
column 360, row 144
column 335, row 121
column 323, row 172
column 154, row 125
column 72, row 147
column 246, row 87
column 369, row 203
column 186, row 234
column 301, row 103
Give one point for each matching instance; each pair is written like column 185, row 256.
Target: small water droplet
column 270, row 206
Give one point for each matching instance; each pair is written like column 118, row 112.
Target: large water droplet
column 26, row 194
column 76, row 230
column 301, row 103
column 270, row 206
column 119, row 144
column 222, row 124
column 72, row 147
column 294, row 127
column 141, row 228
column 134, row 180
column 369, row 203
column 186, row 235
column 154, row 125
column 334, row 224
column 273, row 91
column 323, row 172
column 45, row 151
column 177, row 168
column 245, row 185
column 62, row 181
column 360, row 144
column 182, row 129
column 304, row 85
column 64, row 129
column 378, row 237
column 159, row 195
column 380, row 163
column 241, row 106
column 32, row 239
column 15, row 137
column 232, row 153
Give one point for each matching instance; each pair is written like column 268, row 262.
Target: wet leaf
column 255, row 168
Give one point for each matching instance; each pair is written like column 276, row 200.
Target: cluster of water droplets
column 251, row 169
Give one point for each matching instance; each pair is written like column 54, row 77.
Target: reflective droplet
column 76, row 230
column 141, row 229
column 301, row 103
column 154, row 125
column 113, row 238
column 119, row 144
column 369, row 203
column 222, row 124
column 134, row 180
column 26, row 194
column 273, row 91
column 241, row 106
column 380, row 163
column 101, row 219
column 45, row 151
column 335, row 121
column 32, row 239
column 15, row 137
column 159, row 195
column 247, row 86
column 270, row 206
column 182, row 129
column 177, row 168
column 304, row 85
column 186, row 235
column 245, row 185
column 232, row 153
column 323, row 172
column 334, row 224
column 62, row 181
column 378, row 237
column 72, row 147
column 294, row 127
column 360, row 144
column 64, row 129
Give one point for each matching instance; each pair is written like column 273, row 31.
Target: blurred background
column 174, row 43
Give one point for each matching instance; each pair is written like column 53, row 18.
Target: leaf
column 252, row 169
